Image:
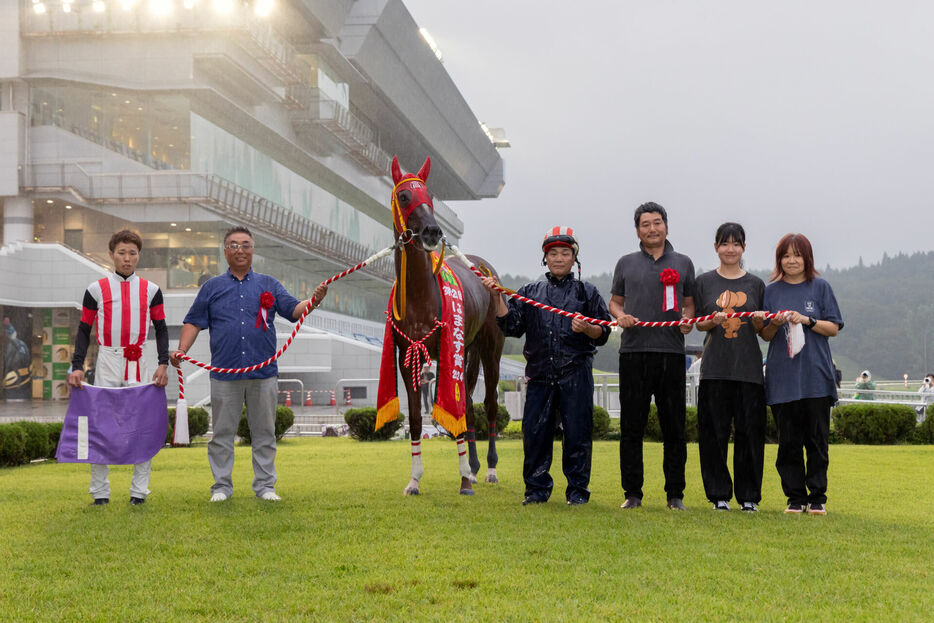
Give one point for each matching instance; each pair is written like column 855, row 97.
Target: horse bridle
column 408, row 236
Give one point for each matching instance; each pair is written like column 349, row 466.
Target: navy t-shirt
column 810, row 374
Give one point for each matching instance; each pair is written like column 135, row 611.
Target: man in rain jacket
column 559, row 354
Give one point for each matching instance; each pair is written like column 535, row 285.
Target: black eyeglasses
column 236, row 246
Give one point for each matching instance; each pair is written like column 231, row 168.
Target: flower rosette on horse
column 266, row 302
column 669, row 278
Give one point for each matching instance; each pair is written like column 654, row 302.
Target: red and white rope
column 298, row 325
column 417, row 352
column 603, row 323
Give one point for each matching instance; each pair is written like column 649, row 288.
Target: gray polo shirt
column 638, row 278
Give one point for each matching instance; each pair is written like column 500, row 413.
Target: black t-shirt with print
column 731, row 352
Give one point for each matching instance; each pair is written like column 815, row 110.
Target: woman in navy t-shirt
column 800, row 388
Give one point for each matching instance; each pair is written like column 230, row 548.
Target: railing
column 848, row 395
column 274, row 52
column 313, row 108
column 209, row 191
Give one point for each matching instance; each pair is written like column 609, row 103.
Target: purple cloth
column 114, row 425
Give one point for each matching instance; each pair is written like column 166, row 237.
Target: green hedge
column 13, row 444
column 924, row 433
column 653, row 430
column 874, row 423
column 55, row 433
column 362, row 420
column 482, row 425
column 285, row 417
column 37, row 440
column 198, row 423
column 601, row 423
column 22, row 442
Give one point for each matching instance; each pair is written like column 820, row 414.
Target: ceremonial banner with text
column 114, row 425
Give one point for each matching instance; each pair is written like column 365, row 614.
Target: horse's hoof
column 473, row 479
column 410, row 492
column 492, row 479
column 467, row 491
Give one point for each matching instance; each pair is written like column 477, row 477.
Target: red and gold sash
column 450, row 404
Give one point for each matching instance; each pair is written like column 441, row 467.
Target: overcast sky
column 812, row 117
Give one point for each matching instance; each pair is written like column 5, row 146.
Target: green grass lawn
column 345, row 545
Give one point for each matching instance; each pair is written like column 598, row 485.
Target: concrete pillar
column 17, row 220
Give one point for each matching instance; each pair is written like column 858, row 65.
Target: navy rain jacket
column 551, row 348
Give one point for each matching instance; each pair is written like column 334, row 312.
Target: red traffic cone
column 288, row 398
column 333, row 399
column 308, row 398
column 347, row 398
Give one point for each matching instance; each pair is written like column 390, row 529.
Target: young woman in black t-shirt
column 731, row 391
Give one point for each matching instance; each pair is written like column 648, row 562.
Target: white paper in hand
column 795, row 336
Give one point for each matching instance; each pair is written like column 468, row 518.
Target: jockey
column 123, row 304
column 559, row 353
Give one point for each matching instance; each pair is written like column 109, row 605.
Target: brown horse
column 418, row 305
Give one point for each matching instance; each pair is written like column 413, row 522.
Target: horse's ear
column 426, row 168
column 396, row 171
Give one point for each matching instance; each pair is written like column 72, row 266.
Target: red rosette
column 132, row 352
column 669, row 277
column 266, row 301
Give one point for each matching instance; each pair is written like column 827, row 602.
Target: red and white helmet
column 560, row 237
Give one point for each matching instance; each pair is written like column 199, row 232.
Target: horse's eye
column 404, row 196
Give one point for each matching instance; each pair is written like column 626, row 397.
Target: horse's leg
column 470, row 381
column 491, row 356
column 415, row 433
column 466, row 488
column 491, row 405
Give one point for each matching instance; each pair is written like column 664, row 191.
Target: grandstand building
column 181, row 118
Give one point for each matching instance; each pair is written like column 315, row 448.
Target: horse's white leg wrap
column 491, row 475
column 462, row 461
column 417, row 469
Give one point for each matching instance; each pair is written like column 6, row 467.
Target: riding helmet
column 560, row 237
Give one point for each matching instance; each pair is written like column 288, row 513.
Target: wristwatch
column 811, row 322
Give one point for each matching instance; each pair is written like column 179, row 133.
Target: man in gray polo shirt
column 653, row 284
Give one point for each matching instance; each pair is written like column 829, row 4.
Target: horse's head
column 413, row 212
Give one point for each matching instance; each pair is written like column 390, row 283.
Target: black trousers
column 803, row 424
column 641, row 376
column 720, row 406
column 570, row 398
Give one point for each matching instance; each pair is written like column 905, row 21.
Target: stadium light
column 160, row 8
column 127, row 4
column 98, row 6
column 66, row 6
column 262, row 8
column 39, row 8
column 223, row 7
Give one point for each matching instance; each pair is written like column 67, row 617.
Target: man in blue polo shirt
column 238, row 309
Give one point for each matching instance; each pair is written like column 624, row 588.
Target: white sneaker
column 270, row 496
column 219, row 497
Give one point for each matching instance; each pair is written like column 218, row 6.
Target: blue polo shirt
column 227, row 307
